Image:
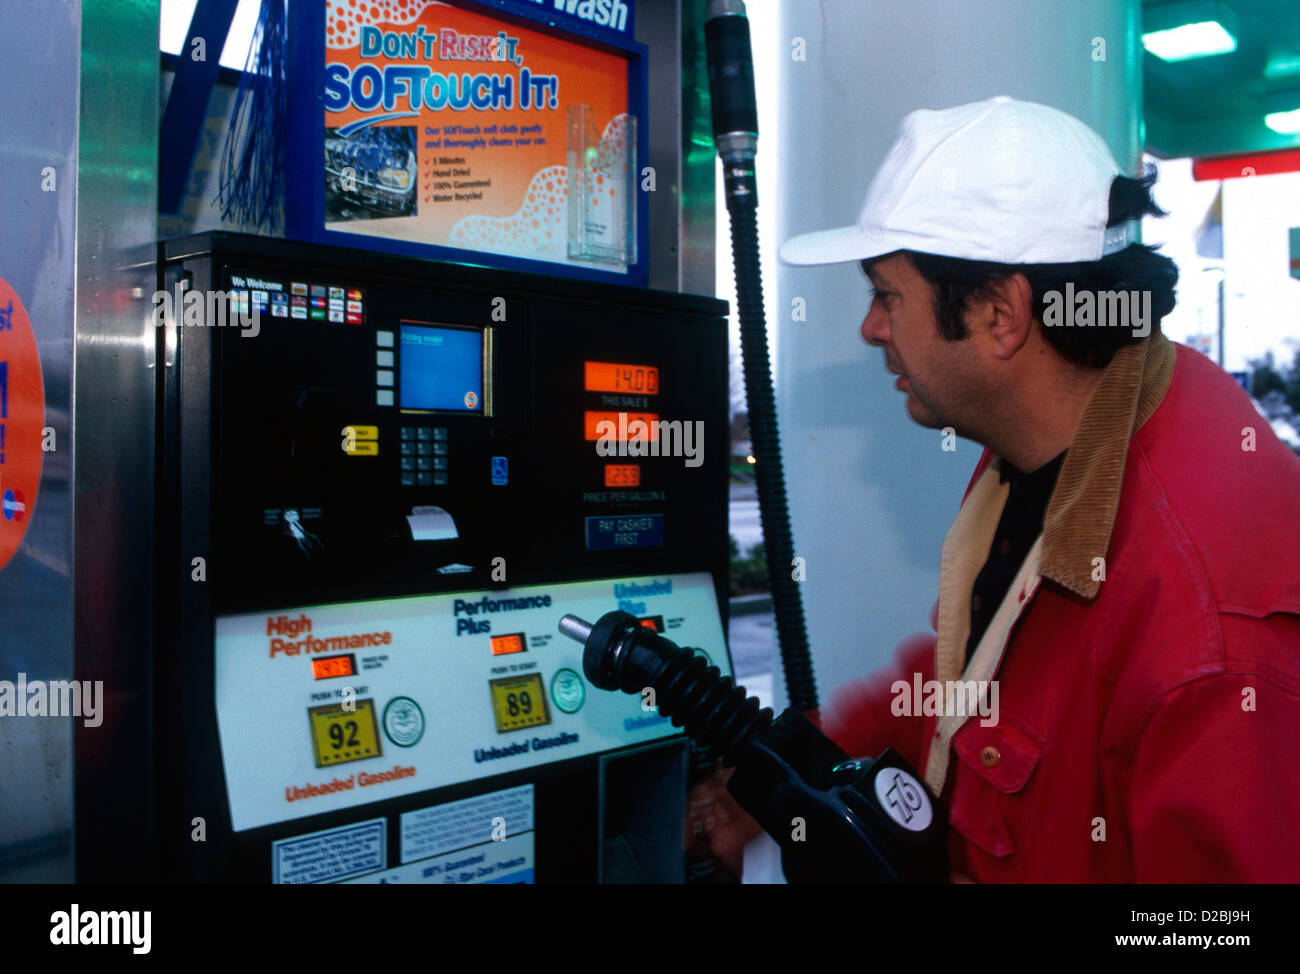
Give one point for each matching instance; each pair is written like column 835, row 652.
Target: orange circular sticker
column 22, row 417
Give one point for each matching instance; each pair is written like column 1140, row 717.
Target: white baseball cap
column 998, row 180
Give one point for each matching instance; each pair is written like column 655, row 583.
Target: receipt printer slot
column 431, row 523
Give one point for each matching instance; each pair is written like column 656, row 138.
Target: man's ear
column 1008, row 311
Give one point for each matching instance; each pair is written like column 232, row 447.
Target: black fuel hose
column 735, row 130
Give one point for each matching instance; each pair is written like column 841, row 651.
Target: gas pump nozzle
column 835, row 819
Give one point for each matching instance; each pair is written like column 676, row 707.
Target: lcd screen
column 441, row 368
column 328, row 667
column 613, row 377
column 513, row 643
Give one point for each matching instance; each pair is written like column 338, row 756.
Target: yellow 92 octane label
column 518, row 701
column 340, row 734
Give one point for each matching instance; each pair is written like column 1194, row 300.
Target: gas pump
column 383, row 470
column 376, row 522
column 332, row 491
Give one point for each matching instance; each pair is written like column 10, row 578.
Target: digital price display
column 326, row 667
column 513, row 643
column 622, row 475
column 613, row 377
column 627, row 426
column 342, row 734
column 519, row 701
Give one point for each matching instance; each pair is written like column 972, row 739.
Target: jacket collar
column 1081, row 513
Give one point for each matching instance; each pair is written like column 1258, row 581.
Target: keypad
column 424, row 456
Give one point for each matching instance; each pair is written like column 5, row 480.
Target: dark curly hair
column 954, row 281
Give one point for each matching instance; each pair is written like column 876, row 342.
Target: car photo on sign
column 371, row 173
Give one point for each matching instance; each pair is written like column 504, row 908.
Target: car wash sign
column 612, row 15
column 447, row 125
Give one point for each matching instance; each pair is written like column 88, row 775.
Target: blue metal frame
column 187, row 102
column 305, row 207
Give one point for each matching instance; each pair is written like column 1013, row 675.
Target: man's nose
column 875, row 326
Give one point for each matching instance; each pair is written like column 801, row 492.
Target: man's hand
column 713, row 815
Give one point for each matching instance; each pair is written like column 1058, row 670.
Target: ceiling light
column 1190, row 41
column 1189, row 29
column 1284, row 123
column 1282, row 66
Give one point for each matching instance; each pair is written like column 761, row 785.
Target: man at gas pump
column 1125, row 564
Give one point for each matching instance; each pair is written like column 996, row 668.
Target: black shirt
column 1018, row 528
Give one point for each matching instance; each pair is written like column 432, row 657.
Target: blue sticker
column 500, row 471
column 636, row 531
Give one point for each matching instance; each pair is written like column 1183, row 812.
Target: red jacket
column 1149, row 705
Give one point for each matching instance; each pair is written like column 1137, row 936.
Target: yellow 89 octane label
column 519, row 701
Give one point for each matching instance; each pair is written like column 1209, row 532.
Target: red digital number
column 622, row 475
